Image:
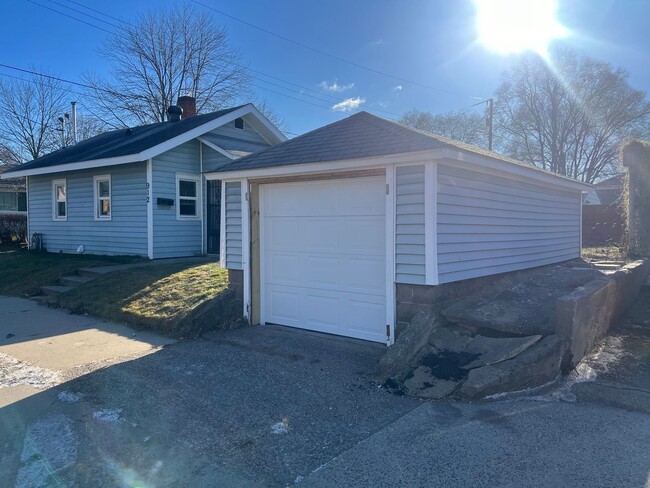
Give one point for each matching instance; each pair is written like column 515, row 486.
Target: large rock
column 450, row 338
column 538, row 365
column 424, row 384
column 525, row 305
column 414, row 337
column 493, row 350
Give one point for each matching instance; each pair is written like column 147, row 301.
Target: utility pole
column 489, row 117
column 489, row 120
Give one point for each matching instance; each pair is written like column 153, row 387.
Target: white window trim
column 96, row 180
column 56, row 183
column 199, row 197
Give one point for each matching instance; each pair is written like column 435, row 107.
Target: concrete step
column 74, row 280
column 607, row 266
column 55, row 290
column 90, row 273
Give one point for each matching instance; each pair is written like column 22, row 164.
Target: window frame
column 243, row 123
column 55, row 201
column 97, row 198
column 196, row 179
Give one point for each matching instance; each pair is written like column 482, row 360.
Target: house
column 13, row 197
column 329, row 231
column 603, row 215
column 140, row 190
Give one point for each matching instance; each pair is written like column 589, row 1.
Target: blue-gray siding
column 489, row 224
column 173, row 237
column 409, row 225
column 233, row 225
column 229, row 138
column 212, row 159
column 125, row 233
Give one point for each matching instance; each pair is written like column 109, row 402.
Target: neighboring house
column 13, row 197
column 333, row 230
column 140, row 191
column 603, row 219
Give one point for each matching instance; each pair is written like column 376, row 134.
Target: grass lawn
column 158, row 297
column 22, row 273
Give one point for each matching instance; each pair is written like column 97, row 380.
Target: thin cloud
column 335, row 87
column 377, row 43
column 398, row 88
column 348, row 104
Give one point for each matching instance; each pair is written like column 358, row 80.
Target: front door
column 213, row 216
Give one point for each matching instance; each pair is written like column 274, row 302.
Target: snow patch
column 108, row 415
column 50, row 447
column 14, row 372
column 280, row 427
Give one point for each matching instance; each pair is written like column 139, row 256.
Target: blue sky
column 431, row 43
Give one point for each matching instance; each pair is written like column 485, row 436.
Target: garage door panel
column 324, row 256
column 362, row 198
column 365, row 276
column 365, row 236
column 285, row 303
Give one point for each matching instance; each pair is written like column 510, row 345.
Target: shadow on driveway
column 259, row 406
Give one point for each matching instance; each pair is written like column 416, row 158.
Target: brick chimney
column 188, row 104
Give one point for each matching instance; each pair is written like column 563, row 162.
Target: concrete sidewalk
column 36, row 340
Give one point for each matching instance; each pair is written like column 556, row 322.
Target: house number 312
column 147, row 186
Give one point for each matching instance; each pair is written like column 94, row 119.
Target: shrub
column 13, row 228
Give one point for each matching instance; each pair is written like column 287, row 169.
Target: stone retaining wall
column 584, row 316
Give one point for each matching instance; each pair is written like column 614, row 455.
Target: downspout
column 149, row 187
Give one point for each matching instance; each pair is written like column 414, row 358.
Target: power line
column 70, row 16
column 83, row 13
column 325, row 53
column 99, row 12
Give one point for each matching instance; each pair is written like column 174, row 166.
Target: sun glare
column 513, row 26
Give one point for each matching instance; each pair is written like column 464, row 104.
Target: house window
column 102, row 197
column 8, row 201
column 239, row 123
column 187, row 197
column 60, row 200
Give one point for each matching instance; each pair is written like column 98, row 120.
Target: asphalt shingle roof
column 358, row 136
column 121, row 142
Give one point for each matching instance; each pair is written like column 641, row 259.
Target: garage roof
column 361, row 135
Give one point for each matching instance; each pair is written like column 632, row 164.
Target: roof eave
column 154, row 150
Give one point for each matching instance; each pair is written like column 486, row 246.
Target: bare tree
column 166, row 53
column 568, row 116
column 29, row 110
column 463, row 126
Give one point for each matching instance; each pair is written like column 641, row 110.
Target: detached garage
column 322, row 230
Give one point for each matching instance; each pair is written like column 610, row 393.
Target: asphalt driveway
column 269, row 406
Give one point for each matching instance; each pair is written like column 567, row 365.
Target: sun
column 514, row 26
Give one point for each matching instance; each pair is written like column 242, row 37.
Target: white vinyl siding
column 125, row 233
column 409, row 225
column 233, row 225
column 490, row 223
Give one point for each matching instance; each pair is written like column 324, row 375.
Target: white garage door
column 323, row 248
